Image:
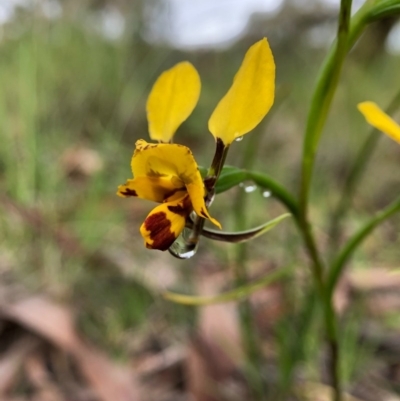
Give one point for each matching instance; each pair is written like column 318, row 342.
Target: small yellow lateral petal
column 198, row 203
column 249, row 98
column 380, row 120
column 156, row 189
column 165, row 222
column 171, row 100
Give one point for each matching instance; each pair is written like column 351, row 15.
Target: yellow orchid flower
column 167, row 174
column 172, row 99
column 249, row 98
column 380, row 120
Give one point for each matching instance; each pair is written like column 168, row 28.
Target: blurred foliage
column 65, row 87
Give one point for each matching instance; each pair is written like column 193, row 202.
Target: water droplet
column 239, row 138
column 266, row 194
column 182, row 249
column 250, row 188
column 182, row 252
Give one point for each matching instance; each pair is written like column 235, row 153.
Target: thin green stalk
column 321, row 101
column 384, row 8
column 320, row 106
column 317, row 268
column 338, row 265
column 297, row 327
column 354, row 177
column 327, row 83
column 349, row 32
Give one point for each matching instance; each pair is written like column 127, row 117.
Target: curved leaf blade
column 229, row 296
column 240, row 236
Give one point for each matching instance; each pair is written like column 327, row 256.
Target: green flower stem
column 321, row 101
column 383, row 8
column 320, row 105
column 221, row 151
column 339, row 264
column 336, row 271
column 354, row 177
column 327, row 81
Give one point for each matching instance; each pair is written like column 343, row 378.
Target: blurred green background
column 74, row 77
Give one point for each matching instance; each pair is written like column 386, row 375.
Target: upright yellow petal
column 171, row 100
column 249, row 98
column 380, row 120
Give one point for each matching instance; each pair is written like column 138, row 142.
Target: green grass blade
column 321, row 101
column 230, row 296
column 339, row 264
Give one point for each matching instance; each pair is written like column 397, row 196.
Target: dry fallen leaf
column 215, row 352
column 374, row 279
column 54, row 323
column 12, row 359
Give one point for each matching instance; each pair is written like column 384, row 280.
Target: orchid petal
column 249, row 98
column 380, row 120
column 165, row 222
column 157, row 189
column 175, row 161
column 171, row 100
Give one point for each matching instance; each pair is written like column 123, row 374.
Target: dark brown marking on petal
column 184, row 208
column 160, row 231
column 173, row 192
column 219, row 149
column 140, row 147
column 203, row 213
column 129, row 192
column 178, row 209
column 153, row 173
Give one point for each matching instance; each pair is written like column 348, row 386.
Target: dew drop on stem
column 182, row 249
